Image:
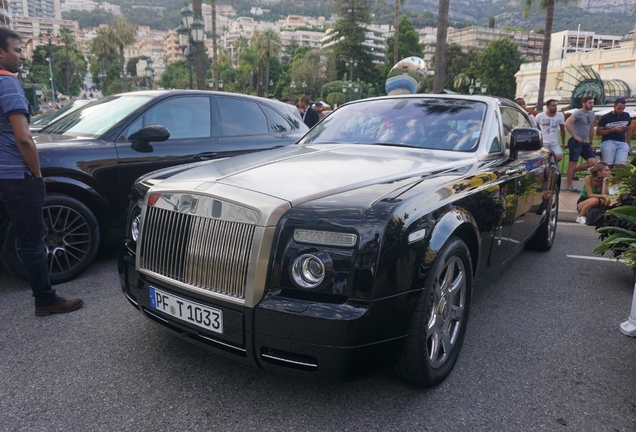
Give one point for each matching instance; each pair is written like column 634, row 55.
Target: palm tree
column 440, row 46
column 271, row 43
column 259, row 45
column 125, row 34
column 66, row 36
column 103, row 46
column 548, row 5
column 239, row 44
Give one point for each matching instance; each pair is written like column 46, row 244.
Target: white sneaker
column 581, row 219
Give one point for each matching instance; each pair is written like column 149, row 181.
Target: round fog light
column 134, row 228
column 308, row 271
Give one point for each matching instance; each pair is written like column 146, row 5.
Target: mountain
column 613, row 17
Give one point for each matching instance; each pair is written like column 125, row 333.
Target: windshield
column 47, row 118
column 441, row 124
column 97, row 118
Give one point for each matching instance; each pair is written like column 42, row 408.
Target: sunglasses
column 621, row 100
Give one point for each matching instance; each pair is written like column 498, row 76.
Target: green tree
column 349, row 32
column 66, row 36
column 409, row 42
column 103, row 47
column 496, row 67
column 313, row 70
column 289, row 50
column 271, row 47
column 548, row 5
column 124, row 35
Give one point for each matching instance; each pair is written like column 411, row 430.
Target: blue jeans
column 21, row 202
column 614, row 152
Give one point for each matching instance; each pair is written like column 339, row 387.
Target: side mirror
column 524, row 139
column 143, row 137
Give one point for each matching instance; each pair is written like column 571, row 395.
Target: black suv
column 91, row 157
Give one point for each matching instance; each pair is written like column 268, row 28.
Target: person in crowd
column 551, row 124
column 285, row 100
column 595, row 191
column 580, row 125
column 522, row 103
column 318, row 108
column 309, row 115
column 615, row 131
column 22, row 190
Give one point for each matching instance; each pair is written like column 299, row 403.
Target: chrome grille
column 202, row 252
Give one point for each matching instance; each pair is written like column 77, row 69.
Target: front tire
column 439, row 323
column 72, row 239
column 543, row 239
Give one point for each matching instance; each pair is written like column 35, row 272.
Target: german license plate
column 185, row 310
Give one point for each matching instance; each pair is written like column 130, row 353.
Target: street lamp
column 292, row 86
column 471, row 87
column 304, row 87
column 190, row 32
column 23, row 73
column 150, row 72
column 221, row 85
column 351, row 64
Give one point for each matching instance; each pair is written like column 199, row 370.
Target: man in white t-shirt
column 551, row 124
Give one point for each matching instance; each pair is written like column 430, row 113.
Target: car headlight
column 134, row 228
column 308, row 271
column 325, row 238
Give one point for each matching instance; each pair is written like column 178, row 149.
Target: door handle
column 204, row 156
column 515, row 171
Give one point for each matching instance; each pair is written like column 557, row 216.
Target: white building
column 36, row 8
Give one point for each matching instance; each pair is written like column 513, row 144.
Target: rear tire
column 72, row 239
column 437, row 330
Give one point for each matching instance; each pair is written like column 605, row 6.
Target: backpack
column 593, row 215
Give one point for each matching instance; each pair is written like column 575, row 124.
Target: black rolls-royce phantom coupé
column 354, row 250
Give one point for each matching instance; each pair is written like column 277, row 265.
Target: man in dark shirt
column 616, row 132
column 22, row 190
column 309, row 115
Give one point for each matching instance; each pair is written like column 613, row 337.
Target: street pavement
column 543, row 352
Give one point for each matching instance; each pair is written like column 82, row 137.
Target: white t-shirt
column 550, row 128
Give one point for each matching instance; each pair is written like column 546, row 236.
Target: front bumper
column 314, row 340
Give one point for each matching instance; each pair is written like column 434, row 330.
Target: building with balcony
column 604, row 73
column 5, row 14
column 570, row 41
column 375, row 40
column 36, row 8
column 477, row 38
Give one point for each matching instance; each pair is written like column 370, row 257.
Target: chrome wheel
column 552, row 217
column 68, row 238
column 440, row 319
column 71, row 239
column 446, row 305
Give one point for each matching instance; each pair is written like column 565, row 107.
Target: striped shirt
column 12, row 101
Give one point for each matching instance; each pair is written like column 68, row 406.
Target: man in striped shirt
column 22, row 190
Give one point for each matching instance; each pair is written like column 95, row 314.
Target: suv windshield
column 441, row 124
column 97, row 118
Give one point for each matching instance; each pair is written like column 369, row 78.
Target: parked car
column 91, row 157
column 352, row 251
column 39, row 122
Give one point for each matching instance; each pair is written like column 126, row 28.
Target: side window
column 277, row 122
column 184, row 117
column 494, row 136
column 241, row 117
column 511, row 119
